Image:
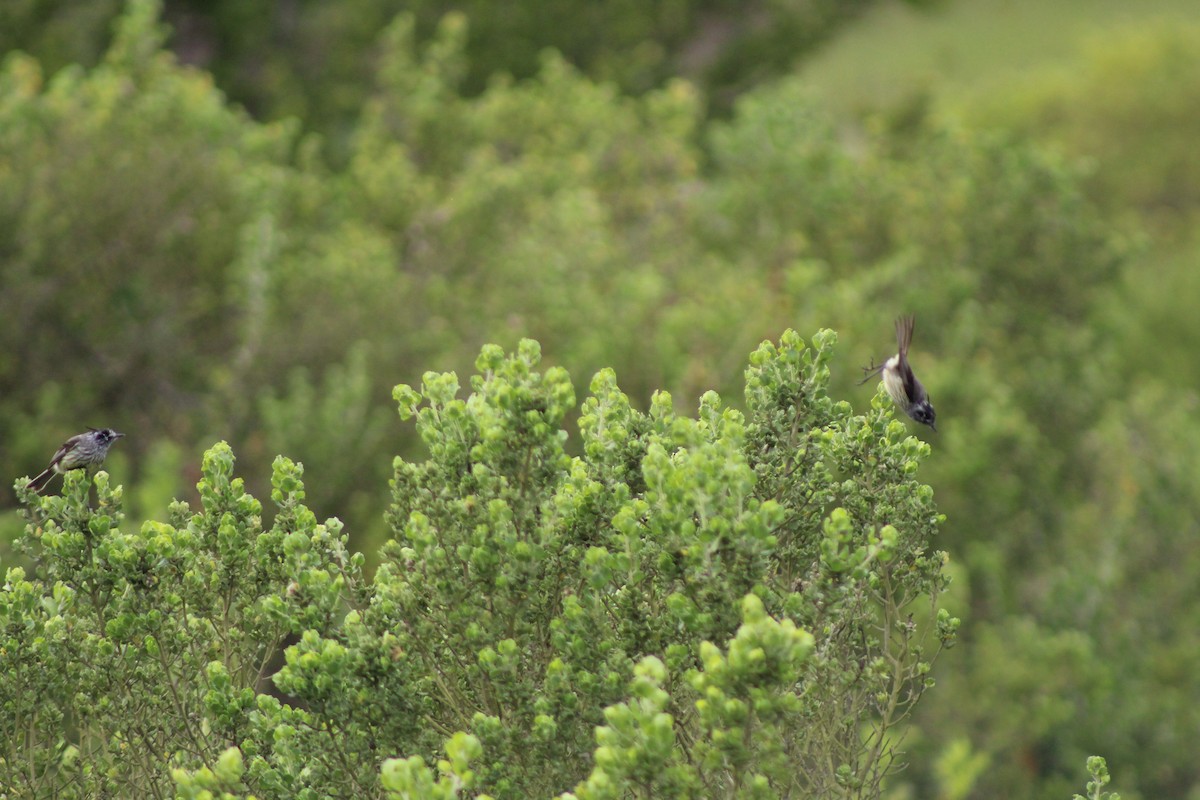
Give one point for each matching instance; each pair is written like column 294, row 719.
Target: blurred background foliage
column 248, row 221
column 317, row 61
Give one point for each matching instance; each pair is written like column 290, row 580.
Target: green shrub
column 128, row 652
column 746, row 603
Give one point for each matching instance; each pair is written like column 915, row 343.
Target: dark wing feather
column 67, row 447
column 904, row 333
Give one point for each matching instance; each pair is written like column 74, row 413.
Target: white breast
column 894, row 383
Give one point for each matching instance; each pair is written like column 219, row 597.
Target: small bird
column 898, row 378
column 82, row 451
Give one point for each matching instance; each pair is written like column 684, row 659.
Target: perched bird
column 82, row 451
column 898, row 378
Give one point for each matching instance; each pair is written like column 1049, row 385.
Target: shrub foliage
column 731, row 605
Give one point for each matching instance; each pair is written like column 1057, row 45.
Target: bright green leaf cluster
column 1098, row 769
column 144, row 650
column 529, row 596
column 545, row 621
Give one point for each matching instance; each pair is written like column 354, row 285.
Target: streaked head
column 106, row 436
column 923, row 412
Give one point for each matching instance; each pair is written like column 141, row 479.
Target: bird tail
column 42, row 480
column 904, row 333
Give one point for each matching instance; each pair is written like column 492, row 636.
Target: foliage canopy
column 174, row 266
column 732, row 605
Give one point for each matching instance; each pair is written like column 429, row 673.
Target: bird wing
column 904, row 334
column 63, row 450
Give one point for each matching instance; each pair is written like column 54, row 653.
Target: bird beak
column 930, row 425
column 118, row 435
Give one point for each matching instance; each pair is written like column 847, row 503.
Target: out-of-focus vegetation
column 318, row 61
column 186, row 271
